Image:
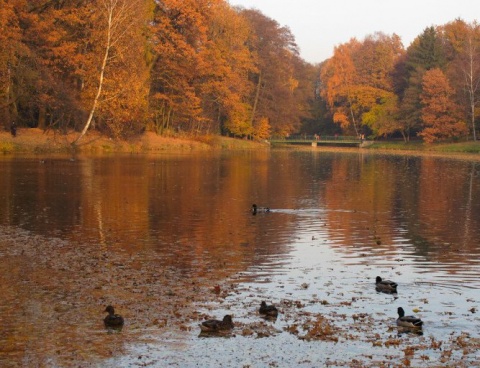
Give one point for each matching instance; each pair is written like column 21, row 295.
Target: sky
column 320, row 25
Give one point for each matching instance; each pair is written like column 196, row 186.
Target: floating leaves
column 319, row 329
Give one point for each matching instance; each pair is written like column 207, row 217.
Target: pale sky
column 320, row 25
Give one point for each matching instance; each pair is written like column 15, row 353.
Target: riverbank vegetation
column 460, row 147
column 204, row 68
column 37, row 141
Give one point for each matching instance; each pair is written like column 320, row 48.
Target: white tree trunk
column 472, row 81
column 118, row 21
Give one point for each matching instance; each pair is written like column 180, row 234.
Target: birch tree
column 114, row 19
column 464, row 70
column 472, row 79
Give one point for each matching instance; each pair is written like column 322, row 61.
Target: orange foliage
column 439, row 112
column 358, row 79
column 262, row 129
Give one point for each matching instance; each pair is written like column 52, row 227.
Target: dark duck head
column 268, row 310
column 408, row 321
column 256, row 209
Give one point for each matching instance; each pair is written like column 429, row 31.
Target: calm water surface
column 153, row 234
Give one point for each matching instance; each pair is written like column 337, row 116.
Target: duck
column 214, row 325
column 268, row 310
column 112, row 320
column 256, row 209
column 385, row 286
column 408, row 321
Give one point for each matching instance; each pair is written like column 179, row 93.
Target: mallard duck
column 408, row 321
column 385, row 286
column 214, row 325
column 112, row 320
column 268, row 310
column 256, row 209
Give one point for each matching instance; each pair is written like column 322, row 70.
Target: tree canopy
column 205, row 67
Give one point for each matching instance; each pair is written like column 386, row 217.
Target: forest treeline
column 205, row 67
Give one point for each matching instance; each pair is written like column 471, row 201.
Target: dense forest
column 205, row 67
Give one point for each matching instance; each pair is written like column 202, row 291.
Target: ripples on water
column 338, row 221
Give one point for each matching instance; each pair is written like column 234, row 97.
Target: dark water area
column 153, row 235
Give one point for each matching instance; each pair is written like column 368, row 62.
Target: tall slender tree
column 463, row 43
column 115, row 24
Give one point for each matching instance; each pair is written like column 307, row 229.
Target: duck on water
column 112, row 320
column 385, row 286
column 408, row 321
column 214, row 325
column 268, row 310
column 256, row 209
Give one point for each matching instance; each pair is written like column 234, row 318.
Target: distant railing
column 341, row 140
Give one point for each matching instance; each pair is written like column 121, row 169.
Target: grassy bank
column 461, row 147
column 37, row 141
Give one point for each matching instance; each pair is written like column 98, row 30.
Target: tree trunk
column 108, row 45
column 42, row 117
column 6, row 119
column 257, row 96
column 354, row 122
column 472, row 85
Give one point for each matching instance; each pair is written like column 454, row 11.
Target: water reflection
column 379, row 204
column 151, row 232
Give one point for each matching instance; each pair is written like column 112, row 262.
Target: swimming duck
column 268, row 310
column 213, row 325
column 408, row 321
column 256, row 209
column 385, row 286
column 112, row 320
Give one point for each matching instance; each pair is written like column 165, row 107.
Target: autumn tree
column 278, row 94
column 358, row 86
column 53, row 32
column 116, row 82
column 471, row 72
column 462, row 42
column 23, row 67
column 10, row 55
column 180, row 35
column 58, row 50
column 225, row 87
column 338, row 78
column 439, row 112
column 425, row 52
column 224, row 70
column 375, row 60
column 382, row 118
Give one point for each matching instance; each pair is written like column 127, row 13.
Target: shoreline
column 34, row 141
column 37, row 141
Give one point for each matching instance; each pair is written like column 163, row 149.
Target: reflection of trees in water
column 194, row 211
column 154, row 226
column 424, row 204
column 446, row 207
column 40, row 195
column 468, row 207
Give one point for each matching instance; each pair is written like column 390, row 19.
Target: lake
column 170, row 240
